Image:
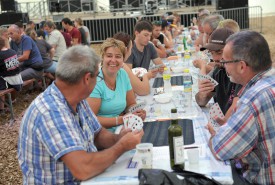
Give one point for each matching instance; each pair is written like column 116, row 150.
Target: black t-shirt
column 161, row 38
column 226, row 90
column 9, row 66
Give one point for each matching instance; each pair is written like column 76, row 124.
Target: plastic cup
column 193, row 155
column 145, row 155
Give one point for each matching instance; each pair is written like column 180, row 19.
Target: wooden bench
column 8, row 93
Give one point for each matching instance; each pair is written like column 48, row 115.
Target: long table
column 125, row 171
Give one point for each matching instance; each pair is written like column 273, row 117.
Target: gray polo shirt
column 142, row 59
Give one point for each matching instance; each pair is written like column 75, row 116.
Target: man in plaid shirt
column 60, row 137
column 248, row 136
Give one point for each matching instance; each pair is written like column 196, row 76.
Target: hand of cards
column 203, row 77
column 157, row 66
column 215, row 111
column 133, row 122
column 137, row 107
column 140, row 70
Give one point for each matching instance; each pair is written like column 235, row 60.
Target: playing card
column 215, row 111
column 135, row 123
column 201, row 76
column 156, row 66
column 126, row 120
column 137, row 107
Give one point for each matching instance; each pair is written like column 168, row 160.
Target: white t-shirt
column 56, row 38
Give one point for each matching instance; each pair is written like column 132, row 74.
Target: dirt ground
column 9, row 169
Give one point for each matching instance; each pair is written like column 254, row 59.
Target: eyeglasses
column 157, row 22
column 223, row 62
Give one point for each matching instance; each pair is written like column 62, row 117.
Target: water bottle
column 187, row 84
column 188, row 95
column 187, row 58
column 167, row 81
column 175, row 141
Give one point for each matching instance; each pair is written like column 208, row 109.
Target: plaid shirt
column 50, row 130
column 249, row 134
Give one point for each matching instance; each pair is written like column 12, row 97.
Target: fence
column 247, row 18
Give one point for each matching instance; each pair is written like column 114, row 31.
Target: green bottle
column 184, row 41
column 175, row 140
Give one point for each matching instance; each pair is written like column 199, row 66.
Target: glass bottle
column 175, row 140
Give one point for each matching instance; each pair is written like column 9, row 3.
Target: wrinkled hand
column 154, row 72
column 220, row 121
column 210, row 128
column 131, row 139
column 141, row 114
column 198, row 63
column 161, row 69
column 206, row 86
column 123, row 132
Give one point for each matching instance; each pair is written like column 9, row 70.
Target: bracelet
column 116, row 120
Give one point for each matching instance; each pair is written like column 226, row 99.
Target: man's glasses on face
column 223, row 62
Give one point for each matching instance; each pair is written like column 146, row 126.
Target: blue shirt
column 113, row 103
column 249, row 134
column 49, row 130
column 26, row 43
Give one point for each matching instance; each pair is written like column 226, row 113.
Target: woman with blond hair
column 113, row 93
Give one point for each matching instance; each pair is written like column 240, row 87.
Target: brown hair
column 124, row 37
column 111, row 42
column 2, row 43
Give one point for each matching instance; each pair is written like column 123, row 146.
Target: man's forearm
column 202, row 99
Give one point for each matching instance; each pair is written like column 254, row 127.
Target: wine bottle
column 175, row 140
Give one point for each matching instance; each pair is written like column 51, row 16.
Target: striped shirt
column 49, row 130
column 249, row 134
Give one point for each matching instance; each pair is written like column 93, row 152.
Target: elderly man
column 27, row 52
column 248, row 135
column 61, row 140
column 55, row 39
column 143, row 51
column 210, row 23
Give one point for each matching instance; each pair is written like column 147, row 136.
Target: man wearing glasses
column 225, row 92
column 248, row 135
column 60, row 138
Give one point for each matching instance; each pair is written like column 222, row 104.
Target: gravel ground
column 10, row 172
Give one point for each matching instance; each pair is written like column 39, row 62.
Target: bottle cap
column 165, row 69
column 186, row 71
column 174, row 110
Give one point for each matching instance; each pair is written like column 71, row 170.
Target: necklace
column 109, row 86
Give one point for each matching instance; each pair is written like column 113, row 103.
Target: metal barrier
column 100, row 29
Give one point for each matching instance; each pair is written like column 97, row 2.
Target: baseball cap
column 217, row 39
column 165, row 23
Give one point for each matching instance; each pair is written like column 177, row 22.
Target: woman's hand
column 141, row 114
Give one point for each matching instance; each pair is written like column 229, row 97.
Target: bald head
column 14, row 33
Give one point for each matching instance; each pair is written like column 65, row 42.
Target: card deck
column 215, row 111
column 137, row 107
column 201, row 76
column 157, row 66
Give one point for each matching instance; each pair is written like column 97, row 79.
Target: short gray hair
column 251, row 47
column 213, row 21
column 50, row 24
column 75, row 63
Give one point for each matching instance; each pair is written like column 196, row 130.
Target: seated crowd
column 80, row 111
